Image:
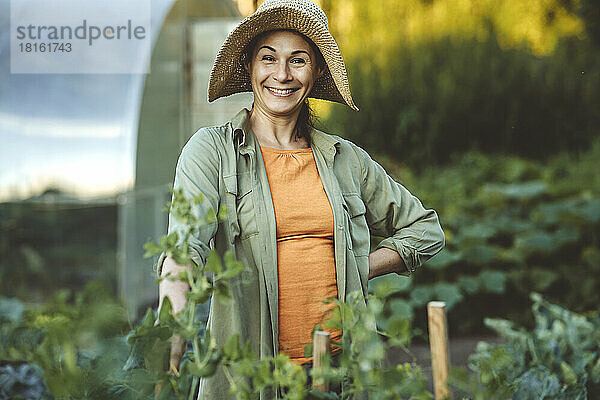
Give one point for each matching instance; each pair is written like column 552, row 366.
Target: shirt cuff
column 408, row 253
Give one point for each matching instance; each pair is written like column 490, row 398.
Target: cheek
column 308, row 79
column 258, row 73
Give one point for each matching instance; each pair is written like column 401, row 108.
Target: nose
column 282, row 74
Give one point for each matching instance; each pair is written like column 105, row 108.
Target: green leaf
column 213, row 262
column 478, row 231
column 449, row 293
column 211, row 216
column 519, row 191
column 199, row 295
column 399, row 328
column 401, row 308
column 541, row 278
column 469, row 284
column 198, row 199
column 534, row 242
column 480, row 254
column 187, row 332
column 166, row 313
column 493, row 281
column 232, row 266
column 247, row 351
column 420, row 295
column 170, row 241
column 222, row 215
column 443, row 259
column 231, row 349
column 147, row 323
column 202, row 370
column 317, row 394
column 308, row 350
column 568, row 374
column 386, row 285
column 244, row 367
column 222, row 291
column 179, row 257
column 152, row 249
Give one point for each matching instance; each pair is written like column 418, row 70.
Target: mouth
column 282, row 92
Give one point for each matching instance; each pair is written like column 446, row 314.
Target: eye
column 268, row 58
column 298, row 61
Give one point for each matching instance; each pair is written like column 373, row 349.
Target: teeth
column 281, row 91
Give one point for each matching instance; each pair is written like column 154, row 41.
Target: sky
column 76, row 132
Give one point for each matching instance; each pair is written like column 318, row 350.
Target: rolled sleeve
column 197, row 173
column 394, row 213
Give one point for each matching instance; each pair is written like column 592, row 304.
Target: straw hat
column 228, row 75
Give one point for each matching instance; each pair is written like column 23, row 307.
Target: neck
column 275, row 130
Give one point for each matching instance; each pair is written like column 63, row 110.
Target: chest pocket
column 360, row 237
column 241, row 214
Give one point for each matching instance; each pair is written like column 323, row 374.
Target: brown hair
column 306, row 117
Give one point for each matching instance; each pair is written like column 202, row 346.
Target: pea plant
column 364, row 346
column 558, row 359
column 81, row 346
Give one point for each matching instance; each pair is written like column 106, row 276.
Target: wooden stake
column 438, row 342
column 320, row 348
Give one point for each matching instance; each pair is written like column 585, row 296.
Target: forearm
column 384, row 261
column 175, row 289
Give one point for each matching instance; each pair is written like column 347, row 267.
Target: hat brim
column 228, row 76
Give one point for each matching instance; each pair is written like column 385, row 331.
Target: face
column 283, row 69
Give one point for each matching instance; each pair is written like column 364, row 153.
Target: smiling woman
column 283, row 66
column 301, row 203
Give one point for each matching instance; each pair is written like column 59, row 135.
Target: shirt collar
column 241, row 129
column 327, row 144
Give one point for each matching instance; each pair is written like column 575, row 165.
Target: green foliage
column 363, row 346
column 429, row 88
column 369, row 332
column 73, row 344
column 78, row 344
column 512, row 227
column 45, row 246
column 559, row 359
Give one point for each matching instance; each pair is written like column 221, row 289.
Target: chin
column 281, row 109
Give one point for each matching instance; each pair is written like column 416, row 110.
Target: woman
column 301, row 203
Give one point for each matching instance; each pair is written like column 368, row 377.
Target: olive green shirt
column 224, row 163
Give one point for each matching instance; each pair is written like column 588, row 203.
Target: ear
column 320, row 72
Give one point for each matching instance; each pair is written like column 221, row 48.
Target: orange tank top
column 305, row 251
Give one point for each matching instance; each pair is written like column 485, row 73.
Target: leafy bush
column 55, row 245
column 512, row 227
column 76, row 343
column 559, row 359
column 430, row 88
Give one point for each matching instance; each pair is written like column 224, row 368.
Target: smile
column 282, row 92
